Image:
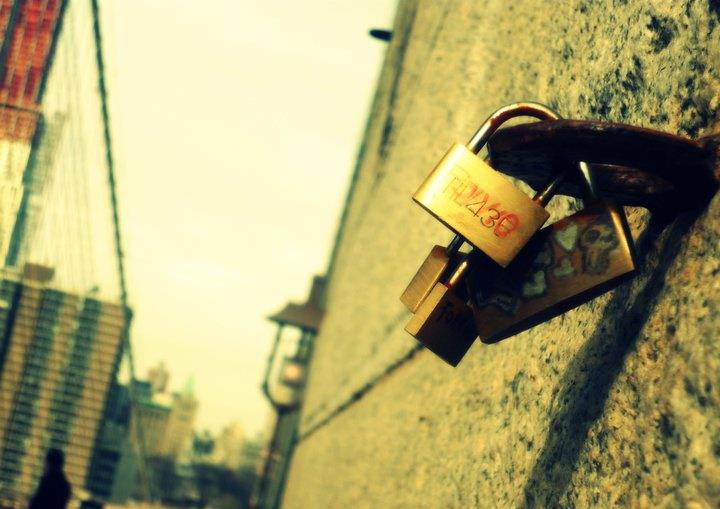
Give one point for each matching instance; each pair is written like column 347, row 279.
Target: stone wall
column 614, row 403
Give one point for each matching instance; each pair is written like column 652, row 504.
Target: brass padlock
column 565, row 264
column 479, row 203
column 443, row 322
column 442, row 260
column 436, row 264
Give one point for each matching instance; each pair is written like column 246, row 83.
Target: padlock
column 438, row 263
column 443, row 322
column 479, row 203
column 443, row 260
column 565, row 264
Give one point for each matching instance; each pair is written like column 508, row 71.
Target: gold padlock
column 443, row 322
column 566, row 264
column 442, row 260
column 436, row 264
column 479, row 203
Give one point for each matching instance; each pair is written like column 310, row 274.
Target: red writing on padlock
column 464, row 192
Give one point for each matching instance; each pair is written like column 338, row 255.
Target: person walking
column 54, row 490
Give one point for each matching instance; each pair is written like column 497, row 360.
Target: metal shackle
column 499, row 117
column 588, row 174
column 488, row 128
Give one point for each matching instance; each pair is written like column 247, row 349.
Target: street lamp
column 298, row 325
column 293, row 319
column 292, row 372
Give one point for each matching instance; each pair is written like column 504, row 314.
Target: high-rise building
column 58, row 358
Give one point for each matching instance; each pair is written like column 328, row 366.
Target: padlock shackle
column 454, row 245
column 481, row 137
column 521, row 109
column 545, row 194
column 458, row 273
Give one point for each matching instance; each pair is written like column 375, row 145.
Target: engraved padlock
column 442, row 260
column 565, row 264
column 444, row 322
column 479, row 203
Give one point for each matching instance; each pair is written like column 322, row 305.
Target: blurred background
column 173, row 174
column 206, row 223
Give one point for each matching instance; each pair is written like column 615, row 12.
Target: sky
column 236, row 126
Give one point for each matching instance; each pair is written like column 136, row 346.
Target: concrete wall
column 614, row 403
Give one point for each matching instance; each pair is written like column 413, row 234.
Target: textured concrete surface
column 616, row 403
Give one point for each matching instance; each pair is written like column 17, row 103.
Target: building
column 27, row 33
column 53, row 95
column 158, row 378
column 163, row 422
column 59, row 356
column 112, row 471
column 179, row 431
column 203, row 445
column 156, row 425
column 613, row 404
column 56, row 211
column 150, row 417
column 228, row 447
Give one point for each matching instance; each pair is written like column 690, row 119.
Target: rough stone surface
column 616, row 403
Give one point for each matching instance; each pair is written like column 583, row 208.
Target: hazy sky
column 236, row 126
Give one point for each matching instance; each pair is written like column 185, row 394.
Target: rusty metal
column 634, row 165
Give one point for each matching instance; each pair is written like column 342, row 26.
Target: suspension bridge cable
column 144, row 473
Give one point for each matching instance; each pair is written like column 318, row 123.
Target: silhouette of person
column 53, row 492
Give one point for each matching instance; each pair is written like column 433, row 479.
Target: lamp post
column 303, row 318
column 284, row 384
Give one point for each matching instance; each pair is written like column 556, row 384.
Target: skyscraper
column 59, row 356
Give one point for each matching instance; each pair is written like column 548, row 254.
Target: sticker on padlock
column 566, row 264
column 442, row 260
column 477, row 202
column 444, row 322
